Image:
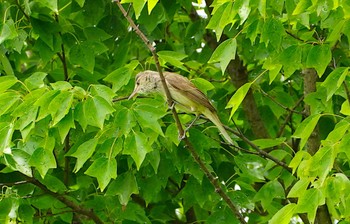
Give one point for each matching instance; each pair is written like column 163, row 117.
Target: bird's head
column 146, row 82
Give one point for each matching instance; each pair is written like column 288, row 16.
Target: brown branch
column 262, row 153
column 76, row 208
column 214, row 180
column 62, row 57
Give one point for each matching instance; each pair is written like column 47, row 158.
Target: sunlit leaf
column 305, row 129
column 284, row 215
column 238, row 97
column 224, row 53
column 334, row 80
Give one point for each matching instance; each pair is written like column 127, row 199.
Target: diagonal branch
column 213, row 179
column 76, row 208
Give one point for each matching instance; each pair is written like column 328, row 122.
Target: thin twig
column 214, row 180
column 279, row 104
column 286, row 120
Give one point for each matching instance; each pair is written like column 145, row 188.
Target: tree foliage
column 74, row 149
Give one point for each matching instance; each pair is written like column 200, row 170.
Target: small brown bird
column 186, row 95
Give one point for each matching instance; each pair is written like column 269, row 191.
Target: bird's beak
column 134, row 93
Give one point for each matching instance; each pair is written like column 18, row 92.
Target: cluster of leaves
column 69, row 140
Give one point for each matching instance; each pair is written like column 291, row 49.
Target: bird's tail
column 213, row 117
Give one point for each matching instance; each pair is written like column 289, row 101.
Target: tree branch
column 76, row 208
column 214, row 180
column 313, row 143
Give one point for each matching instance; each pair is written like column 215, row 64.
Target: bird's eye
column 137, row 83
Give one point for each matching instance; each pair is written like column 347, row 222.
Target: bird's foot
column 171, row 107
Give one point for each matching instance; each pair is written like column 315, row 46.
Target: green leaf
column 238, row 97
column 43, row 160
column 172, row 134
column 18, row 160
column 299, row 156
column 301, row 7
column 6, row 131
column 6, row 65
column 61, row 85
column 203, row 84
column 268, row 143
column 345, row 108
column 151, row 4
column 125, row 120
column 137, row 5
column 6, row 82
column 26, row 212
column 268, row 192
column 51, row 4
column 322, row 162
column 102, row 91
column 318, row 58
column 80, row 2
column 299, row 188
column 284, row 215
column 148, row 116
column 8, row 31
column 334, row 80
column 96, row 34
column 82, row 56
column 60, row 106
column 309, row 203
column 305, row 129
column 290, row 58
column 137, row 146
column 121, row 76
column 95, row 111
column 272, row 33
column 8, row 99
column 64, row 125
column 124, row 186
column 46, row 29
column 339, row 131
column 262, row 8
column 104, row 170
column 54, row 184
column 35, row 80
column 43, row 102
column 224, row 53
column 172, row 57
column 83, row 153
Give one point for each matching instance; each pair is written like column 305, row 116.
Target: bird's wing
column 186, row 88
